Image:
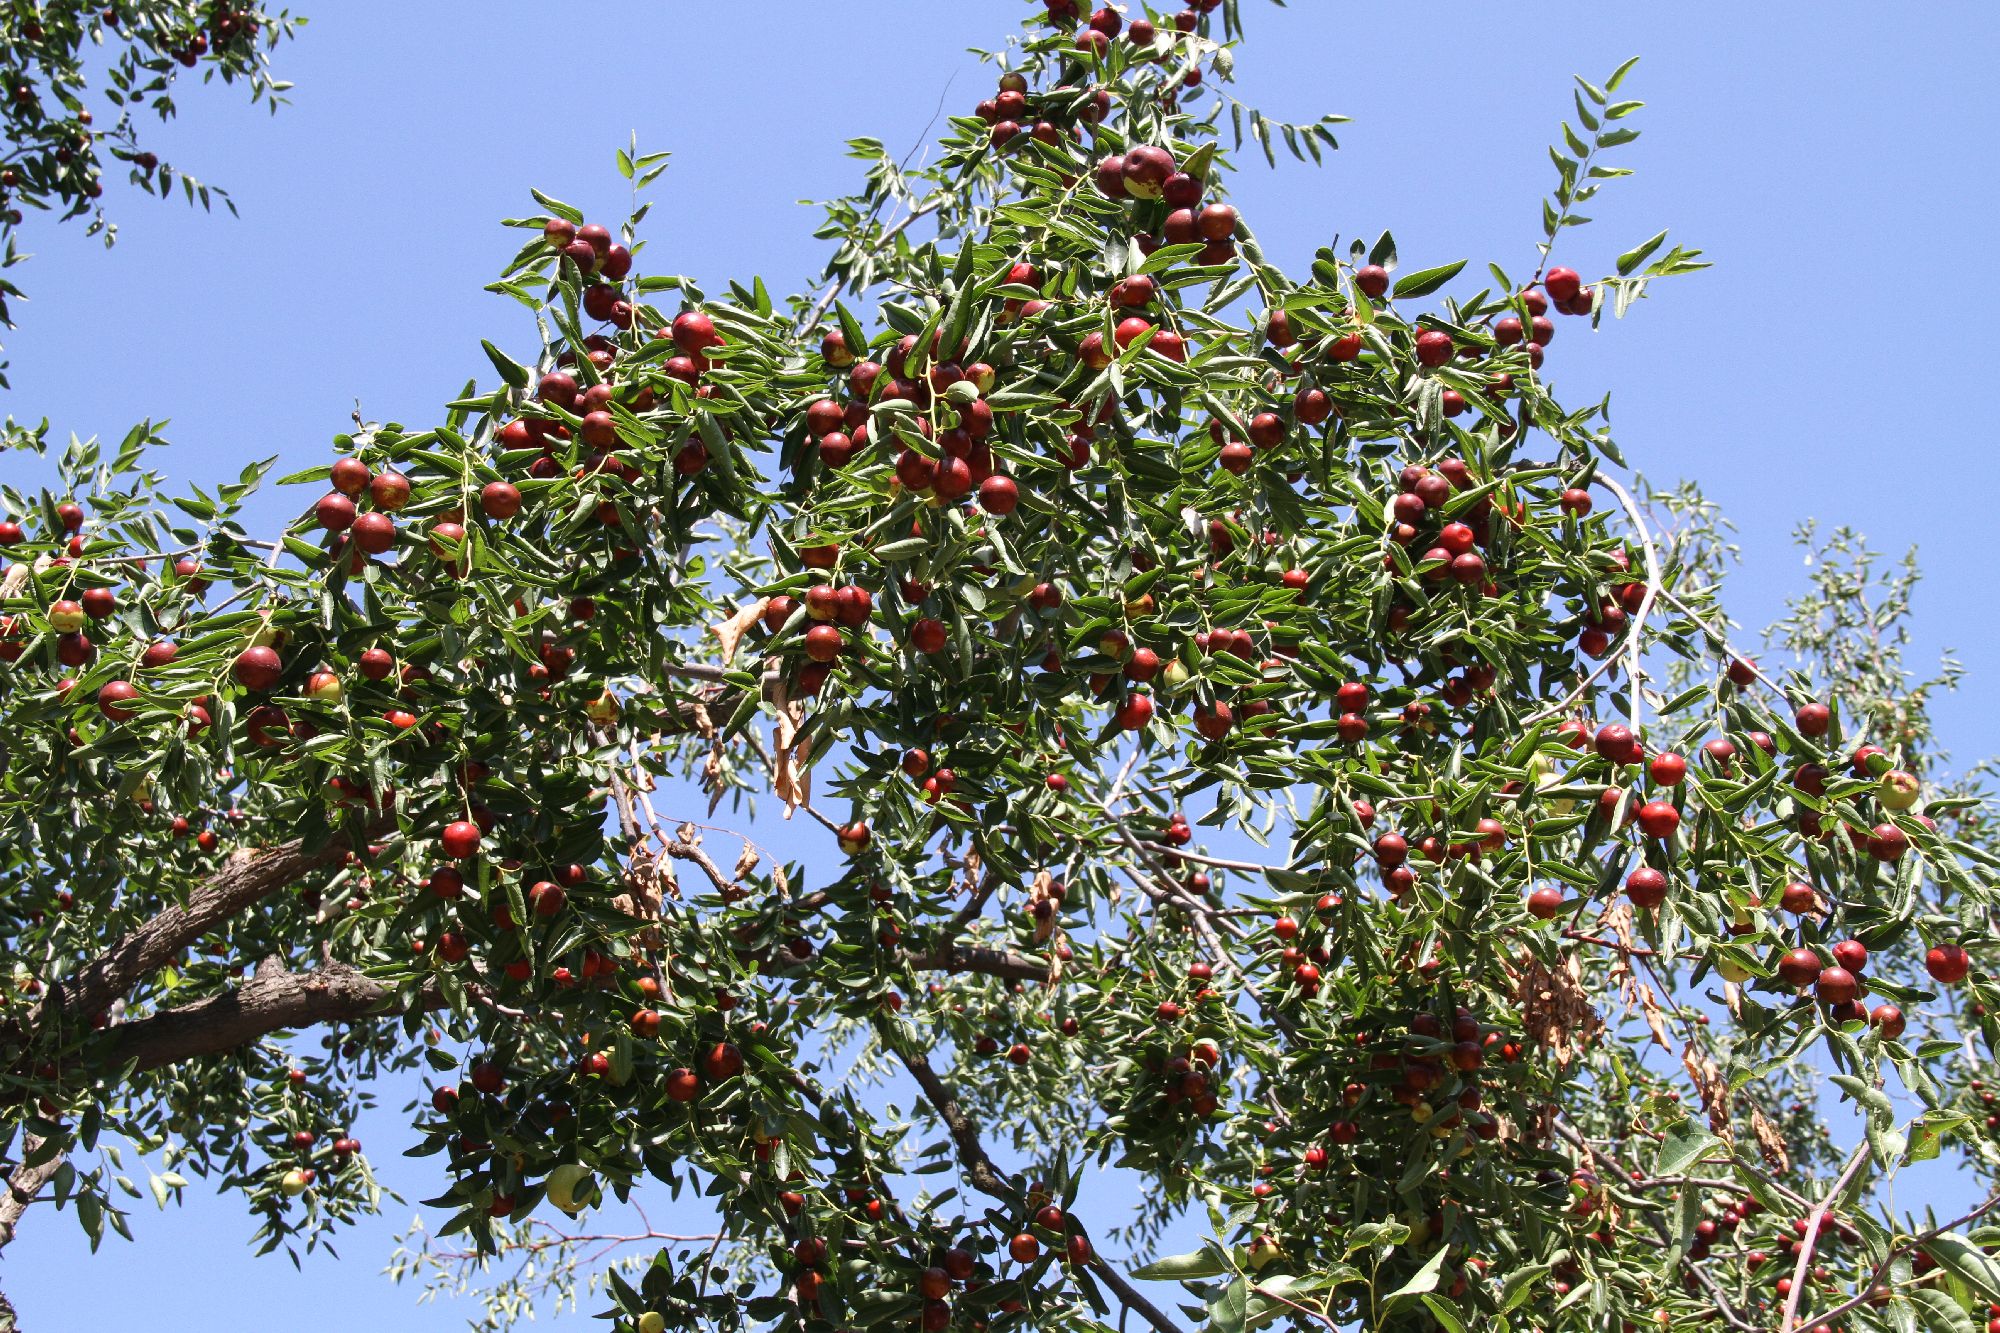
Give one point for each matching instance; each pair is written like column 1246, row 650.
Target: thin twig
column 1635, row 632
column 1811, row 1238
column 1867, row 1289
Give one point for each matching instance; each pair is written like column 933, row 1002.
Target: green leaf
column 1684, row 1145
column 1425, row 1279
column 1940, row 1313
column 1928, row 1133
column 1638, row 255
column 1427, row 280
column 1965, row 1259
column 1208, row 1261
column 1522, row 1283
column 1231, row 1305
column 1370, row 1234
column 510, row 371
column 558, row 207
column 1447, row 1314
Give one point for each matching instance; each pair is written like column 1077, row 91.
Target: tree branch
column 23, row 1185
column 244, row 879
column 1002, row 963
column 980, row 1170
column 271, row 1002
column 964, row 1134
column 1811, row 1238
column 1922, row 1238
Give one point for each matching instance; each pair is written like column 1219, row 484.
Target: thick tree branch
column 271, row 1002
column 1131, row 1296
column 1003, row 963
column 23, row 1184
column 244, row 879
column 972, row 1156
column 987, row 1180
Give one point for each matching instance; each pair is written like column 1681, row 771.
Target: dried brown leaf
column 731, row 631
column 1714, row 1090
column 791, row 759
column 1556, row 1010
column 1770, row 1142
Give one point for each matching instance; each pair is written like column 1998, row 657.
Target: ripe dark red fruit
column 350, row 476
column 499, row 499
column 257, row 668
column 1887, row 843
column 334, row 512
column 1373, row 280
column 1615, row 742
column 1545, row 904
column 460, row 839
column 999, row 495
column 1145, row 171
column 1836, row 985
column 1947, row 964
column 823, row 643
column 722, row 1060
column 1433, row 347
column 1216, row 222
column 1646, row 887
column 373, row 533
column 1799, row 967
column 1657, row 819
column 694, row 332
column 112, row 698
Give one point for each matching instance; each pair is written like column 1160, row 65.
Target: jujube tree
column 1097, row 551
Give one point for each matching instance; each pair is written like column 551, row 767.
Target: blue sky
column 1830, row 158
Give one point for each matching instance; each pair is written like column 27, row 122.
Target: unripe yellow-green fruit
column 1732, row 970
column 570, row 1187
column 1263, row 1252
column 652, row 1322
column 1897, row 790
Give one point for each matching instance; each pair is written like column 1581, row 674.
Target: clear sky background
column 1833, row 159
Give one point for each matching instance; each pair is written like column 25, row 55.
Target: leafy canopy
column 1085, row 557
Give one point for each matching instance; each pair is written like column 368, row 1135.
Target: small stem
column 1806, row 1243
